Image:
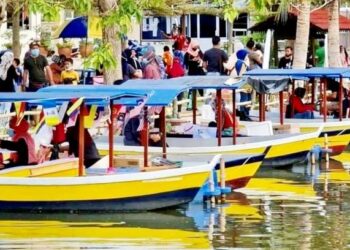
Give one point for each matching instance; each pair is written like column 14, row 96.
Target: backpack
column 176, row 70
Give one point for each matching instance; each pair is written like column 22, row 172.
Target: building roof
column 286, row 30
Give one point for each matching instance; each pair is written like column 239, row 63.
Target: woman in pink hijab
column 22, row 142
column 194, row 59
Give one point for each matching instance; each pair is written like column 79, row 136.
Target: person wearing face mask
column 36, row 70
column 22, row 142
column 286, row 62
column 69, row 75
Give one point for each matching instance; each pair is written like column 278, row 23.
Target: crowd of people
column 184, row 57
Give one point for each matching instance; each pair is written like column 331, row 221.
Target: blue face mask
column 35, row 52
column 10, row 132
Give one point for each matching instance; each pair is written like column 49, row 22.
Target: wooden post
column 263, row 107
column 326, row 147
column 110, row 137
column 325, row 100
column 340, row 99
column 291, row 103
column 219, row 113
column 234, row 135
column 163, row 130
column 81, row 140
column 260, row 106
column 222, row 177
column 281, row 107
column 313, row 90
column 145, row 137
column 194, row 106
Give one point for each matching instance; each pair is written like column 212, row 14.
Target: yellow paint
column 97, row 232
column 290, row 148
column 247, row 170
column 281, row 186
column 100, row 191
column 343, row 157
column 244, row 211
column 335, row 176
column 61, row 169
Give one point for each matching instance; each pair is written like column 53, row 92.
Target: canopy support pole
column 313, row 90
column 260, row 106
column 81, row 140
column 110, row 137
column 219, row 114
column 324, row 99
column 291, row 103
column 163, row 130
column 194, row 106
column 340, row 99
column 263, row 107
column 281, row 107
column 145, row 137
column 234, row 135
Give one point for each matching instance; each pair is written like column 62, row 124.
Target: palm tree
column 333, row 35
column 302, row 35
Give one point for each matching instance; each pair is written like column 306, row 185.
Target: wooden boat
column 65, row 185
column 280, row 150
column 337, row 130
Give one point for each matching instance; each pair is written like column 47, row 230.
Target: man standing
column 36, row 70
column 320, row 54
column 286, row 62
column 214, row 58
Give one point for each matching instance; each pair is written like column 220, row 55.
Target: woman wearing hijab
column 194, row 59
column 22, row 143
column 8, row 74
column 153, row 66
column 132, row 59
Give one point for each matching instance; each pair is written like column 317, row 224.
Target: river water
column 279, row 209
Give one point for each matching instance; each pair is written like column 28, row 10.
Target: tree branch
column 322, row 6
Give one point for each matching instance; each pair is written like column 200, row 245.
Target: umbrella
column 80, row 27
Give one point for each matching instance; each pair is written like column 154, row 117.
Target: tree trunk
column 110, row 36
column 2, row 10
column 333, row 35
column 302, row 35
column 16, row 41
column 229, row 38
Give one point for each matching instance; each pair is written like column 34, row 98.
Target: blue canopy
column 160, row 93
column 295, row 73
column 41, row 97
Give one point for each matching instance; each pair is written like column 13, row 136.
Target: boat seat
column 256, row 128
column 55, row 168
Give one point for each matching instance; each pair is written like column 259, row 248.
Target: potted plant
column 85, row 48
column 65, row 48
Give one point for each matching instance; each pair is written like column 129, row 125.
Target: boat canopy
column 316, row 72
column 90, row 97
column 159, row 93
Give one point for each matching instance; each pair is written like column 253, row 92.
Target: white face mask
column 68, row 67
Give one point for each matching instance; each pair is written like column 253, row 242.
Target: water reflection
column 298, row 208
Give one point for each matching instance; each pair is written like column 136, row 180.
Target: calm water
column 280, row 209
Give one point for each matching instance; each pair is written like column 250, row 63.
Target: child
column 167, row 57
column 68, row 75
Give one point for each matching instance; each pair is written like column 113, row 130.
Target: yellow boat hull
column 121, row 191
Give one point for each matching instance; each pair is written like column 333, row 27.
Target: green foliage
column 101, row 56
column 49, row 9
column 257, row 37
column 64, row 44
